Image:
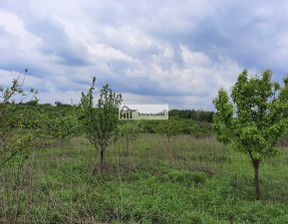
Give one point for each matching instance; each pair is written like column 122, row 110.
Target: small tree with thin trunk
column 13, row 145
column 254, row 118
column 168, row 128
column 129, row 130
column 100, row 123
column 63, row 127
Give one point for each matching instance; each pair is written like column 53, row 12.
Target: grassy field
column 190, row 181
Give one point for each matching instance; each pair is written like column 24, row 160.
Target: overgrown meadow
column 80, row 164
column 191, row 180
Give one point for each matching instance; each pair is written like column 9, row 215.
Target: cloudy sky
column 156, row 51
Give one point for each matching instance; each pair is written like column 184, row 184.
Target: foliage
column 129, row 130
column 56, row 186
column 196, row 115
column 196, row 182
column 168, row 128
column 11, row 144
column 63, row 126
column 178, row 126
column 147, row 126
column 100, row 124
column 254, row 118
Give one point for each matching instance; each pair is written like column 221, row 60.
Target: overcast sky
column 156, row 51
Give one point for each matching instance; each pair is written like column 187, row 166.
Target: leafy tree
column 168, row 128
column 189, row 127
column 254, row 118
column 11, row 144
column 100, row 124
column 129, row 130
column 63, row 127
column 147, row 126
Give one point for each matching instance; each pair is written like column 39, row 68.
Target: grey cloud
column 242, row 33
column 56, row 42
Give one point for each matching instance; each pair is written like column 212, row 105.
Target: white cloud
column 130, row 98
column 177, row 52
column 198, row 76
column 106, row 53
column 194, row 59
column 7, row 77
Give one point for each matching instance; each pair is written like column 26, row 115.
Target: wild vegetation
column 100, row 124
column 195, row 181
column 171, row 171
column 254, row 119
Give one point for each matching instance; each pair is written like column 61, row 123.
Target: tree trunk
column 102, row 159
column 256, row 178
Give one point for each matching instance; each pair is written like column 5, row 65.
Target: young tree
column 100, row 124
column 63, row 127
column 12, row 144
column 129, row 130
column 168, row 128
column 254, row 118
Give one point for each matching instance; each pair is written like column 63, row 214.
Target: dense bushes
column 177, row 126
column 196, row 115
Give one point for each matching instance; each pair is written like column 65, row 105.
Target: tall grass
column 188, row 181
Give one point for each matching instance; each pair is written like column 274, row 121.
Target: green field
column 190, row 181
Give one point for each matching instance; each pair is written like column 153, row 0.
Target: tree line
column 196, row 115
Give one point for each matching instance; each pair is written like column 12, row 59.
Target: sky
column 171, row 52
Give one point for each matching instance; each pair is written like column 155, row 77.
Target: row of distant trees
column 196, row 115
